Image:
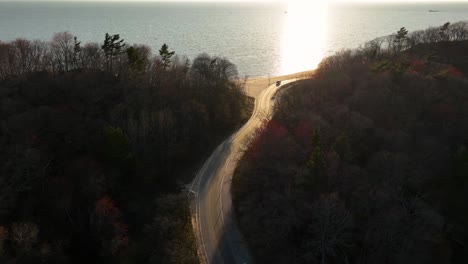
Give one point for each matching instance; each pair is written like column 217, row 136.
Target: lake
column 260, row 38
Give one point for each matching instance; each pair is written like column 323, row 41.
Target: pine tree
column 76, row 52
column 165, row 56
column 316, row 179
column 113, row 46
column 135, row 59
column 401, row 39
column 443, row 32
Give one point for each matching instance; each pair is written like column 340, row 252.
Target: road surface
column 218, row 238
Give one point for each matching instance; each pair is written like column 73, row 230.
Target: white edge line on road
column 200, row 174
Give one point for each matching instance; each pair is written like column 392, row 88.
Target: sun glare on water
column 304, row 35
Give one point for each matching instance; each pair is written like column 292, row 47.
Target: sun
column 304, row 35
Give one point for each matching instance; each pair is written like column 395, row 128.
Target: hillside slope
column 367, row 162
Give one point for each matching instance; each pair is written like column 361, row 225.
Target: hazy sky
column 265, row 1
column 233, row 0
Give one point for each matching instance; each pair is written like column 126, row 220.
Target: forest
column 97, row 142
column 366, row 161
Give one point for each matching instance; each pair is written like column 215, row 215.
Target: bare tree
column 39, row 51
column 372, row 49
column 458, row 31
column 416, row 38
column 62, row 46
column 4, row 60
column 431, row 35
column 91, row 56
column 24, row 235
column 22, row 52
column 330, row 230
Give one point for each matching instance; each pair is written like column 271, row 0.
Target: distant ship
column 433, row 11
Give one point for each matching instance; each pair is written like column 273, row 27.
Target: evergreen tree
column 113, row 46
column 135, row 59
column 76, row 52
column 401, row 39
column 165, row 56
column 443, row 32
column 316, row 164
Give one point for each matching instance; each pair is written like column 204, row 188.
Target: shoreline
column 254, row 86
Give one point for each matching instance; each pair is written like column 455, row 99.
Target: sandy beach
column 254, row 86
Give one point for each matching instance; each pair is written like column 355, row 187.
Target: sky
column 375, row 1
column 263, row 1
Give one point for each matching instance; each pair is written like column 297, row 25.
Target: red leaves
column 105, row 207
column 253, row 151
column 449, row 71
column 272, row 138
column 303, row 132
column 116, row 236
column 121, row 237
column 275, row 131
column 454, row 72
column 417, row 66
column 266, row 137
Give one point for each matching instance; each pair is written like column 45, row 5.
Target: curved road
column 218, row 238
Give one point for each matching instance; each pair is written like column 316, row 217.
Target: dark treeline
column 366, row 162
column 96, row 141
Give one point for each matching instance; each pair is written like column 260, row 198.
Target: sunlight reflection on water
column 304, row 35
column 260, row 38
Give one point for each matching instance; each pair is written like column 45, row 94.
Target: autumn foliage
column 365, row 163
column 105, row 208
column 92, row 141
column 417, row 66
column 114, row 234
column 264, row 137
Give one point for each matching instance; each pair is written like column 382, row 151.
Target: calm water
column 250, row 35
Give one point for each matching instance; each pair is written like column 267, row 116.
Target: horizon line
column 240, row 1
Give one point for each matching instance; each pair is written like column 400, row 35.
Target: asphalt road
column 218, row 238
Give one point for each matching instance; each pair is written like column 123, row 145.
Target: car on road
column 278, row 83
